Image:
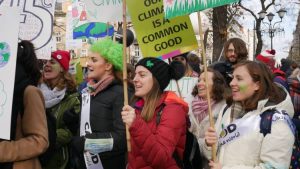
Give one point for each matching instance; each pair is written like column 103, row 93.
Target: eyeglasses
column 230, row 50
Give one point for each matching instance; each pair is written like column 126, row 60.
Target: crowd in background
column 241, row 91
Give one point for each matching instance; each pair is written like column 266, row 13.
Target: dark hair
column 239, row 47
column 259, row 72
column 27, row 58
column 219, row 89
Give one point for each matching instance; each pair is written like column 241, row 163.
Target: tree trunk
column 259, row 38
column 220, row 22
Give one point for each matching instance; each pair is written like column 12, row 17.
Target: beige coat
column 31, row 134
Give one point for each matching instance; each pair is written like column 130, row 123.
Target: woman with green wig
column 102, row 139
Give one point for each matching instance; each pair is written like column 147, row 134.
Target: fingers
column 127, row 108
column 128, row 115
column 210, row 136
column 214, row 165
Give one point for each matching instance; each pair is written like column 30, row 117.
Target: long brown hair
column 151, row 101
column 65, row 80
column 239, row 48
column 259, row 72
column 220, row 90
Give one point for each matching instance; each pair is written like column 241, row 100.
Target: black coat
column 106, row 122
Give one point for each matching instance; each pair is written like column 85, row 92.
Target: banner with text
column 36, row 23
column 8, row 53
column 175, row 8
column 159, row 37
column 104, row 11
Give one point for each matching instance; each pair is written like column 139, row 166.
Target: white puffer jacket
column 253, row 150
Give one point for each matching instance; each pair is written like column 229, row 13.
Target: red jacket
column 152, row 145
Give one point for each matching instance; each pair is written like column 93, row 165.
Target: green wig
column 111, row 51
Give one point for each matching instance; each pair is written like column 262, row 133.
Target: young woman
column 240, row 141
column 61, row 99
column 104, row 121
column 157, row 123
column 199, row 118
column 29, row 134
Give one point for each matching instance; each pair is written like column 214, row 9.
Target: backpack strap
column 224, row 110
column 266, row 121
column 159, row 112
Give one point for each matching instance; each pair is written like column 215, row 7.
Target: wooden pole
column 107, row 29
column 211, row 120
column 125, row 71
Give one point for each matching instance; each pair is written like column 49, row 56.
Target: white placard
column 104, row 11
column 36, row 23
column 8, row 53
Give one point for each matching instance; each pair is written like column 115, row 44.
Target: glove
column 78, row 144
column 71, row 120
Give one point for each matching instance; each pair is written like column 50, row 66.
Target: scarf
column 200, row 108
column 52, row 97
column 95, row 87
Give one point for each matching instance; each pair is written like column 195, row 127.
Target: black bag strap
column 224, row 110
column 159, row 112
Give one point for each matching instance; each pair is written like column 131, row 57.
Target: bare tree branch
column 272, row 3
column 248, row 10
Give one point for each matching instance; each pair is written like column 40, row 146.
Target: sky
column 282, row 41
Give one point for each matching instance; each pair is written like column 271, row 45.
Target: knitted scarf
column 200, row 108
column 95, row 87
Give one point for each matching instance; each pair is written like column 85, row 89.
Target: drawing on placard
column 4, row 53
column 93, row 29
column 2, row 98
column 36, row 22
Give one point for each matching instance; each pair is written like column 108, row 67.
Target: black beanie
column 162, row 71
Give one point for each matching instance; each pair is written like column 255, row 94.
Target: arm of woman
column 157, row 148
column 34, row 130
column 71, row 122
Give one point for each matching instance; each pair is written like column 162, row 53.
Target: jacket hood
column 171, row 98
column 286, row 104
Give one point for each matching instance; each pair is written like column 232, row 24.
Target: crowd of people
column 90, row 120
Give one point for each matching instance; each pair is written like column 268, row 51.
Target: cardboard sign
column 175, row 8
column 104, row 11
column 159, row 37
column 36, row 23
column 8, row 54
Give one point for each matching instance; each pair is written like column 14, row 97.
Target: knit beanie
column 111, row 51
column 162, row 71
column 267, row 57
column 62, row 57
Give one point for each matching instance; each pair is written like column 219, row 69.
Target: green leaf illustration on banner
column 175, row 8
